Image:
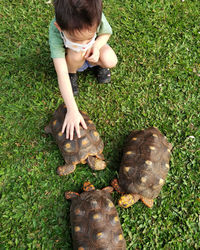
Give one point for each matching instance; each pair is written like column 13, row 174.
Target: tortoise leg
column 108, row 189
column 47, row 129
column 128, row 200
column 115, row 185
column 95, row 163
column 100, row 156
column 147, row 202
column 71, row 195
column 66, row 169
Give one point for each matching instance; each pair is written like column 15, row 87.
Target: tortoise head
column 87, row 186
column 69, row 195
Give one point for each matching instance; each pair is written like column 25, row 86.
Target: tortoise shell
column 145, row 163
column 95, row 222
column 79, row 149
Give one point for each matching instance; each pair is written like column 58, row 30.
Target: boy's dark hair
column 74, row 15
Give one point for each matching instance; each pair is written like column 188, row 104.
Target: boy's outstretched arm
column 73, row 117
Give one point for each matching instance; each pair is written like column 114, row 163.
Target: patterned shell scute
column 95, row 222
column 78, row 149
column 145, row 163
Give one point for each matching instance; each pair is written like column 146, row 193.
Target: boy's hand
column 92, row 55
column 71, row 121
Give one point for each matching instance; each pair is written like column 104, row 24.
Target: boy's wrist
column 97, row 45
column 72, row 110
column 71, row 106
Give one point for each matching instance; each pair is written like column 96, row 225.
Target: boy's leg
column 74, row 61
column 107, row 60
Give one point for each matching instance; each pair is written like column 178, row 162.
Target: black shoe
column 74, row 78
column 103, row 74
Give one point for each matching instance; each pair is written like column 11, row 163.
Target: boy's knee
column 108, row 57
column 110, row 61
column 113, row 62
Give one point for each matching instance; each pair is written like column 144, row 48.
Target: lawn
column 156, row 83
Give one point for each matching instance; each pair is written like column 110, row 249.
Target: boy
column 78, row 39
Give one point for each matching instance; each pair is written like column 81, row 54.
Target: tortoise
column 94, row 220
column 144, row 167
column 88, row 148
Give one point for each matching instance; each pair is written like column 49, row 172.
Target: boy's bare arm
column 101, row 41
column 73, row 117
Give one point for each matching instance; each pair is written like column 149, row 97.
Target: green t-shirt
column 56, row 42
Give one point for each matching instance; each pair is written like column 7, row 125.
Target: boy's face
column 79, row 36
column 82, row 36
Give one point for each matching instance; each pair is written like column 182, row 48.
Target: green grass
column 156, row 82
